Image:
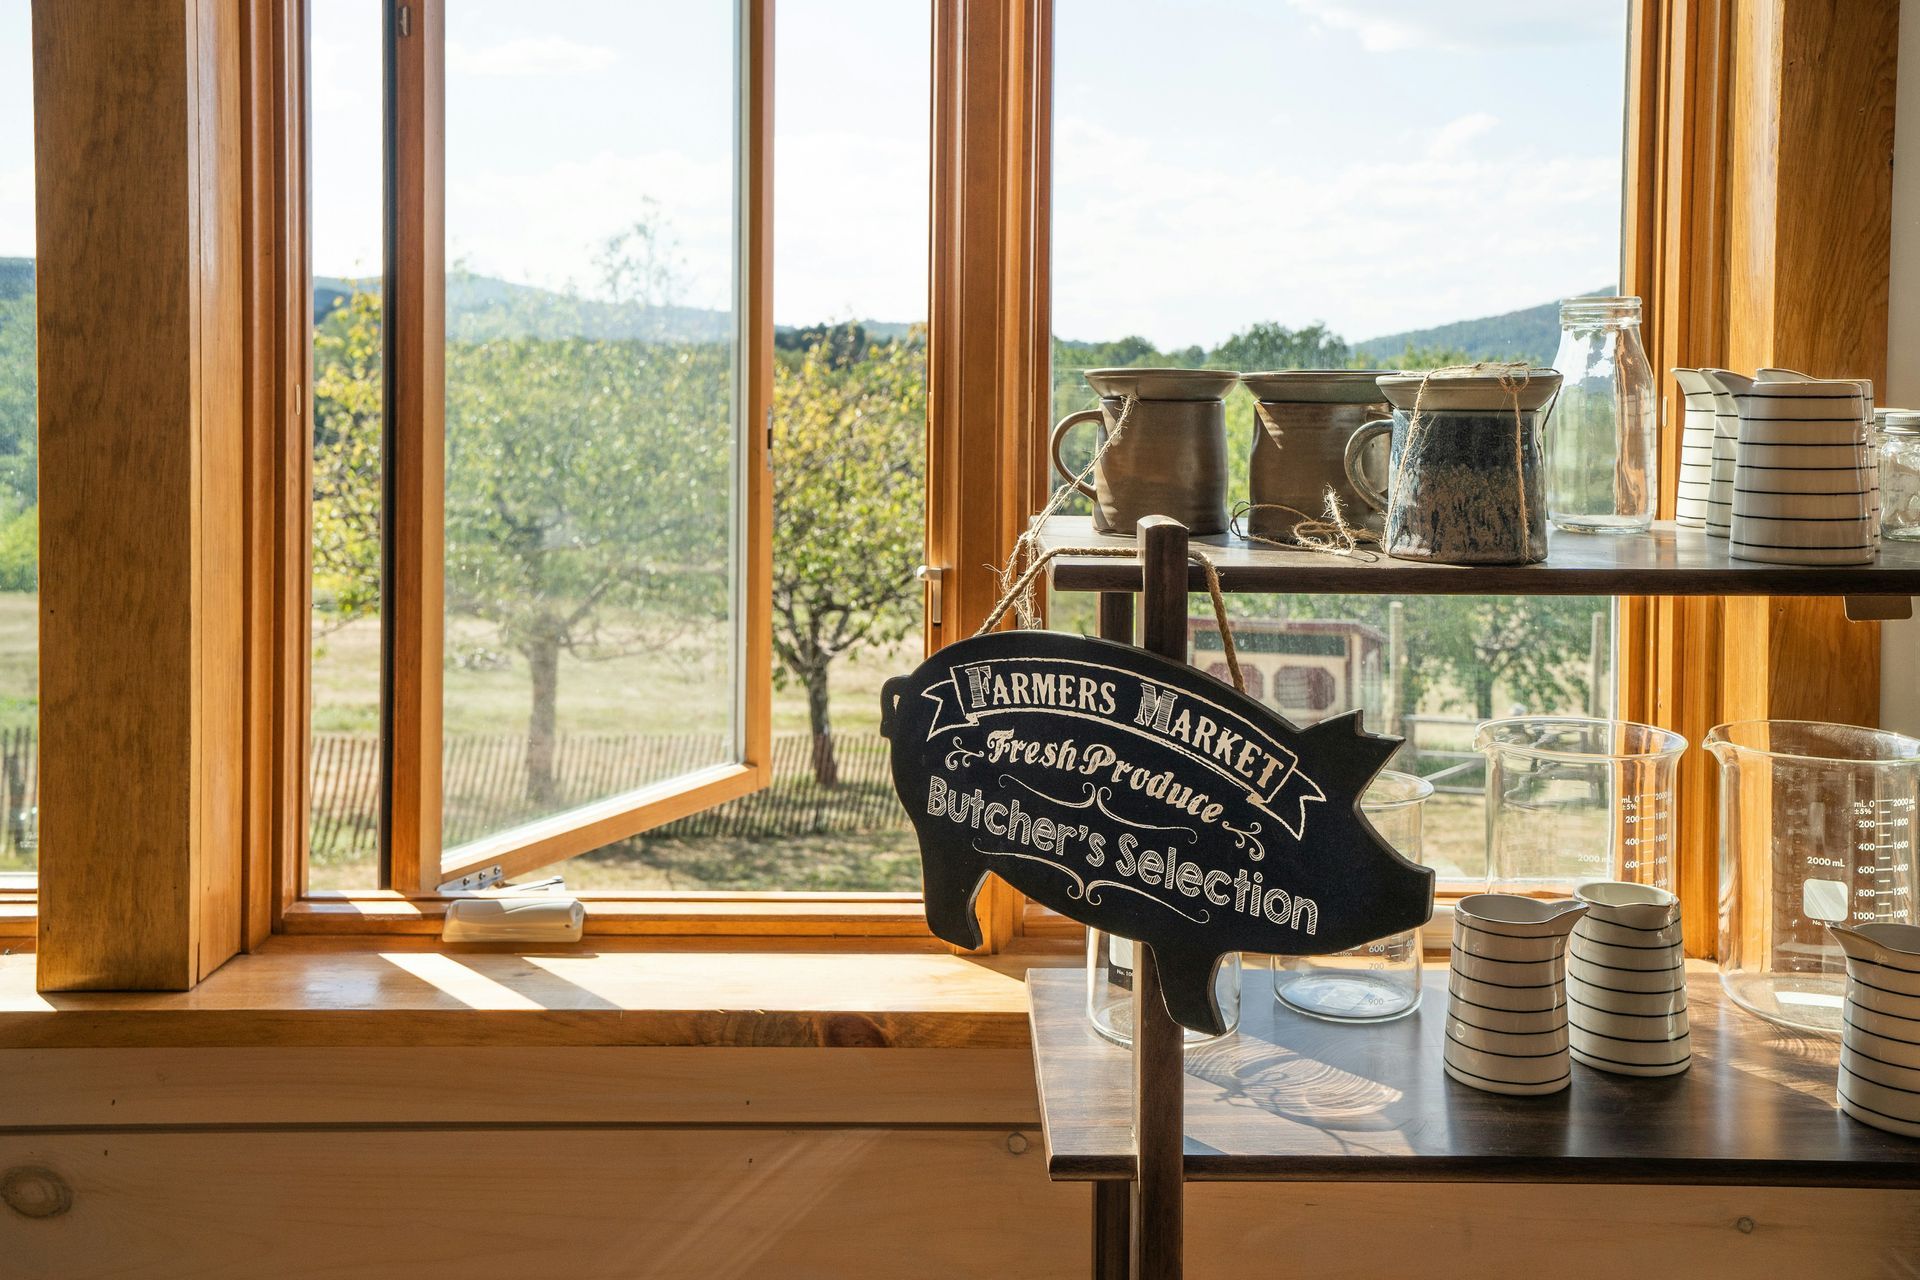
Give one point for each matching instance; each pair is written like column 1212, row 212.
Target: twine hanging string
column 1510, row 383
column 1016, row 576
column 1023, row 586
column 1328, row 533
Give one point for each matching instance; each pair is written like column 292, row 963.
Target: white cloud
column 1451, row 140
column 1184, row 250
column 530, row 56
column 1391, row 26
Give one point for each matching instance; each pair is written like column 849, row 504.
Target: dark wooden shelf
column 1669, row 561
column 1291, row 1098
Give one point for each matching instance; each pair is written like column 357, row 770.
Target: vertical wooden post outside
column 137, row 144
column 1159, row 1066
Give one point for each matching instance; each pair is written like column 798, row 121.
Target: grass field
column 672, row 688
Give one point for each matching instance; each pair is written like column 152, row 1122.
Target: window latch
column 405, row 19
column 934, row 578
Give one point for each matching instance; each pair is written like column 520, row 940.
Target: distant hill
column 1532, row 334
column 483, row 307
column 16, row 277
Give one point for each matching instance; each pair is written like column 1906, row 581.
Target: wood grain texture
column 415, row 450
column 1668, row 561
column 1290, row 1098
column 471, row 1205
column 136, row 133
column 326, row 1085
column 988, row 340
column 277, row 355
column 1459, row 1231
column 587, row 994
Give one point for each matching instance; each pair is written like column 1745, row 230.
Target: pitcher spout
column 1896, row 946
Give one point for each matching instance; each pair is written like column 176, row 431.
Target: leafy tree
column 1412, row 357
column 346, row 459
column 587, row 503
column 1267, row 345
column 849, row 492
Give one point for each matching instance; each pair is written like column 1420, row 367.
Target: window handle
column 934, row 578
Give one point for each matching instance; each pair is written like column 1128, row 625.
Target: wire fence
column 485, row 781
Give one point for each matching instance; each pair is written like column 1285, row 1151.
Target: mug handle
column 1059, row 436
column 1356, row 445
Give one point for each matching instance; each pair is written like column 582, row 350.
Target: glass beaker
column 1572, row 799
column 1602, row 435
column 1817, row 827
column 1110, row 989
column 1380, row 981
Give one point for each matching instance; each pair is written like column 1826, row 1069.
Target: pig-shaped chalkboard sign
column 1140, row 796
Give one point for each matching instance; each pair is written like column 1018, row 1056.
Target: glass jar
column 1818, row 825
column 1572, row 799
column 1380, row 981
column 1110, row 989
column 1896, row 448
column 1603, row 432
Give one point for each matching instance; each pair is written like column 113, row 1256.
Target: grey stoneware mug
column 1466, row 486
column 1305, row 417
column 1172, row 458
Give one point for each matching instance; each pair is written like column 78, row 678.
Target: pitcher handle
column 1356, row 445
column 1059, row 435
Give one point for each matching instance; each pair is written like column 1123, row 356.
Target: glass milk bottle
column 1603, row 433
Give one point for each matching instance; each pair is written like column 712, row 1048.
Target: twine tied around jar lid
column 1513, row 386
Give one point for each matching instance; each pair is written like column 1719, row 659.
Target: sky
column 1367, row 163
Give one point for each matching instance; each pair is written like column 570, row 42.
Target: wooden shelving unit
column 1289, row 1098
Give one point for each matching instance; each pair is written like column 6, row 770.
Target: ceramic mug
column 1803, row 488
column 1629, row 939
column 1303, row 420
column 1726, row 387
column 1880, row 1046
column 1466, row 486
column 1696, row 449
column 1171, row 460
column 1506, row 1029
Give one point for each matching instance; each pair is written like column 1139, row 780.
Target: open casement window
column 572, row 480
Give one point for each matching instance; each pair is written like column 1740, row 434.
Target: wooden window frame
column 1743, row 190
column 413, row 858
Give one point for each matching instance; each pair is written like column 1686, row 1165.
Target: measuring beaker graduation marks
column 1817, row 828
column 1572, row 799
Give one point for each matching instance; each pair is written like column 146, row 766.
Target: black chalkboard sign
column 1146, row 798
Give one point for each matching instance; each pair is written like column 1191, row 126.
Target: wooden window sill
column 406, row 991
column 738, row 915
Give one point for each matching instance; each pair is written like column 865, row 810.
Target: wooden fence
column 485, row 781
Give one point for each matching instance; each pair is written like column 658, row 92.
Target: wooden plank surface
column 414, row 992
column 1668, row 561
column 137, row 137
column 494, row 1085
column 584, row 1204
column 1291, row 1098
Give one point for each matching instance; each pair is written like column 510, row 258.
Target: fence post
column 1396, row 709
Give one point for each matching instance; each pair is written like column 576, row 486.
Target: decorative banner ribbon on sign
column 1200, row 731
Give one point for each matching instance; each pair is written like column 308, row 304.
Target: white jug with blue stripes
column 1880, row 1040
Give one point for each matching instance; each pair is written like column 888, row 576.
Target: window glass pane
column 345, row 180
column 590, row 172
column 19, row 437
column 849, row 463
column 1401, row 185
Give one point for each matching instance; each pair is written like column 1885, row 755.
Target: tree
column 346, row 459
column 587, row 503
column 586, row 495
column 1267, row 345
column 849, row 493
